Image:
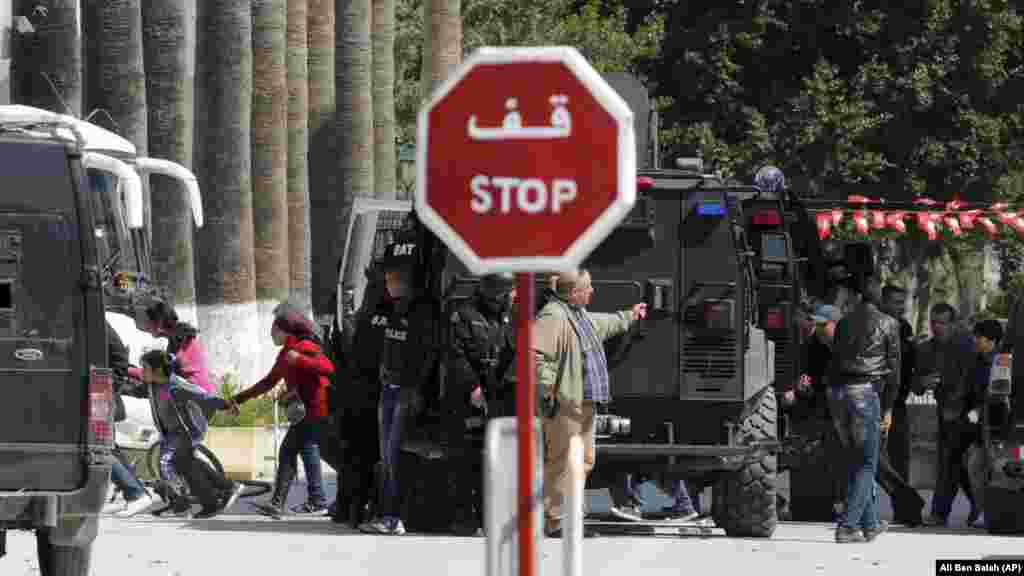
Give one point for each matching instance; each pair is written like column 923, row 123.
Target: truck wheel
column 744, row 501
column 62, row 560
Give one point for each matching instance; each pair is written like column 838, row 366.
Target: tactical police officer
column 362, row 335
column 482, row 341
column 406, row 365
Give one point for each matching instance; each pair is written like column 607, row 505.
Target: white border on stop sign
column 603, row 93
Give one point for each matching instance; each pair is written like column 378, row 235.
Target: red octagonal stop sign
column 525, row 161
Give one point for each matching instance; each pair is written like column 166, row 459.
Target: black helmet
column 497, row 283
column 399, row 255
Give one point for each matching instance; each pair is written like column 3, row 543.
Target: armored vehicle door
column 51, row 318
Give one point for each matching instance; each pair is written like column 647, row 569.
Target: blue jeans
column 303, row 440
column 684, row 503
column 392, row 417
column 126, row 481
column 856, row 413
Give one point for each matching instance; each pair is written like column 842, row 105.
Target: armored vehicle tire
column 744, row 501
column 62, row 560
column 1002, row 511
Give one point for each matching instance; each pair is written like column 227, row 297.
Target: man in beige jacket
column 572, row 376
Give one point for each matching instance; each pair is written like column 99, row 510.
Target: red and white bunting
column 932, row 217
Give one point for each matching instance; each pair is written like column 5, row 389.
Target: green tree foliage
column 595, row 28
column 917, row 96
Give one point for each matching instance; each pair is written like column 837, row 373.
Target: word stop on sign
column 529, row 195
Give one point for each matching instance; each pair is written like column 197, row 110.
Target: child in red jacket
column 305, row 370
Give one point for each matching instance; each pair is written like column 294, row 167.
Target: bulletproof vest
column 394, row 325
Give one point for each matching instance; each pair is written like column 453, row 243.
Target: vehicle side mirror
column 658, row 294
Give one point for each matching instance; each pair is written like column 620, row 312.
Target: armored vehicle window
column 773, row 248
column 111, row 227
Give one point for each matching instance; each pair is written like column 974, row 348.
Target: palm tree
column 354, row 73
column 298, row 146
column 384, row 161
column 225, row 286
column 322, row 152
column 270, row 152
column 47, row 66
column 442, row 44
column 117, row 76
column 169, row 37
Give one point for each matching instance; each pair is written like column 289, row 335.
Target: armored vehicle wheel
column 62, row 560
column 744, row 501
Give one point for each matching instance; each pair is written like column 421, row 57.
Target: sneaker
column 233, row 495
column 627, row 513
column 870, row 535
column 114, row 507
column 980, row 522
column 309, row 508
column 846, row 535
column 135, row 506
column 387, row 526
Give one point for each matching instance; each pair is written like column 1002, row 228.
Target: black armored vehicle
column 56, row 425
column 724, row 269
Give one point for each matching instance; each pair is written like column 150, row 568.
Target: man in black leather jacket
column 865, row 377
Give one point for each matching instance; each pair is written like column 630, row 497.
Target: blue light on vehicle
column 710, row 209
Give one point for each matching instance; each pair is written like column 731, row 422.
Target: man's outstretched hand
column 640, row 311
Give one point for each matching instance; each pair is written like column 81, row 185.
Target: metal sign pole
column 572, row 534
column 526, row 398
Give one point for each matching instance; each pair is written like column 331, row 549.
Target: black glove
column 550, row 407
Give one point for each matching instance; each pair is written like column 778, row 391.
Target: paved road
column 256, row 546
column 253, row 546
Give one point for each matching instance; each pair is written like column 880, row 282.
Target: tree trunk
column 47, row 66
column 323, row 170
column 270, row 154
column 117, row 76
column 298, row 146
column 354, row 73
column 225, row 282
column 169, row 37
column 445, row 39
column 384, row 160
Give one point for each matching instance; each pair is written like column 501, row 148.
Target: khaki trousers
column 557, row 432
